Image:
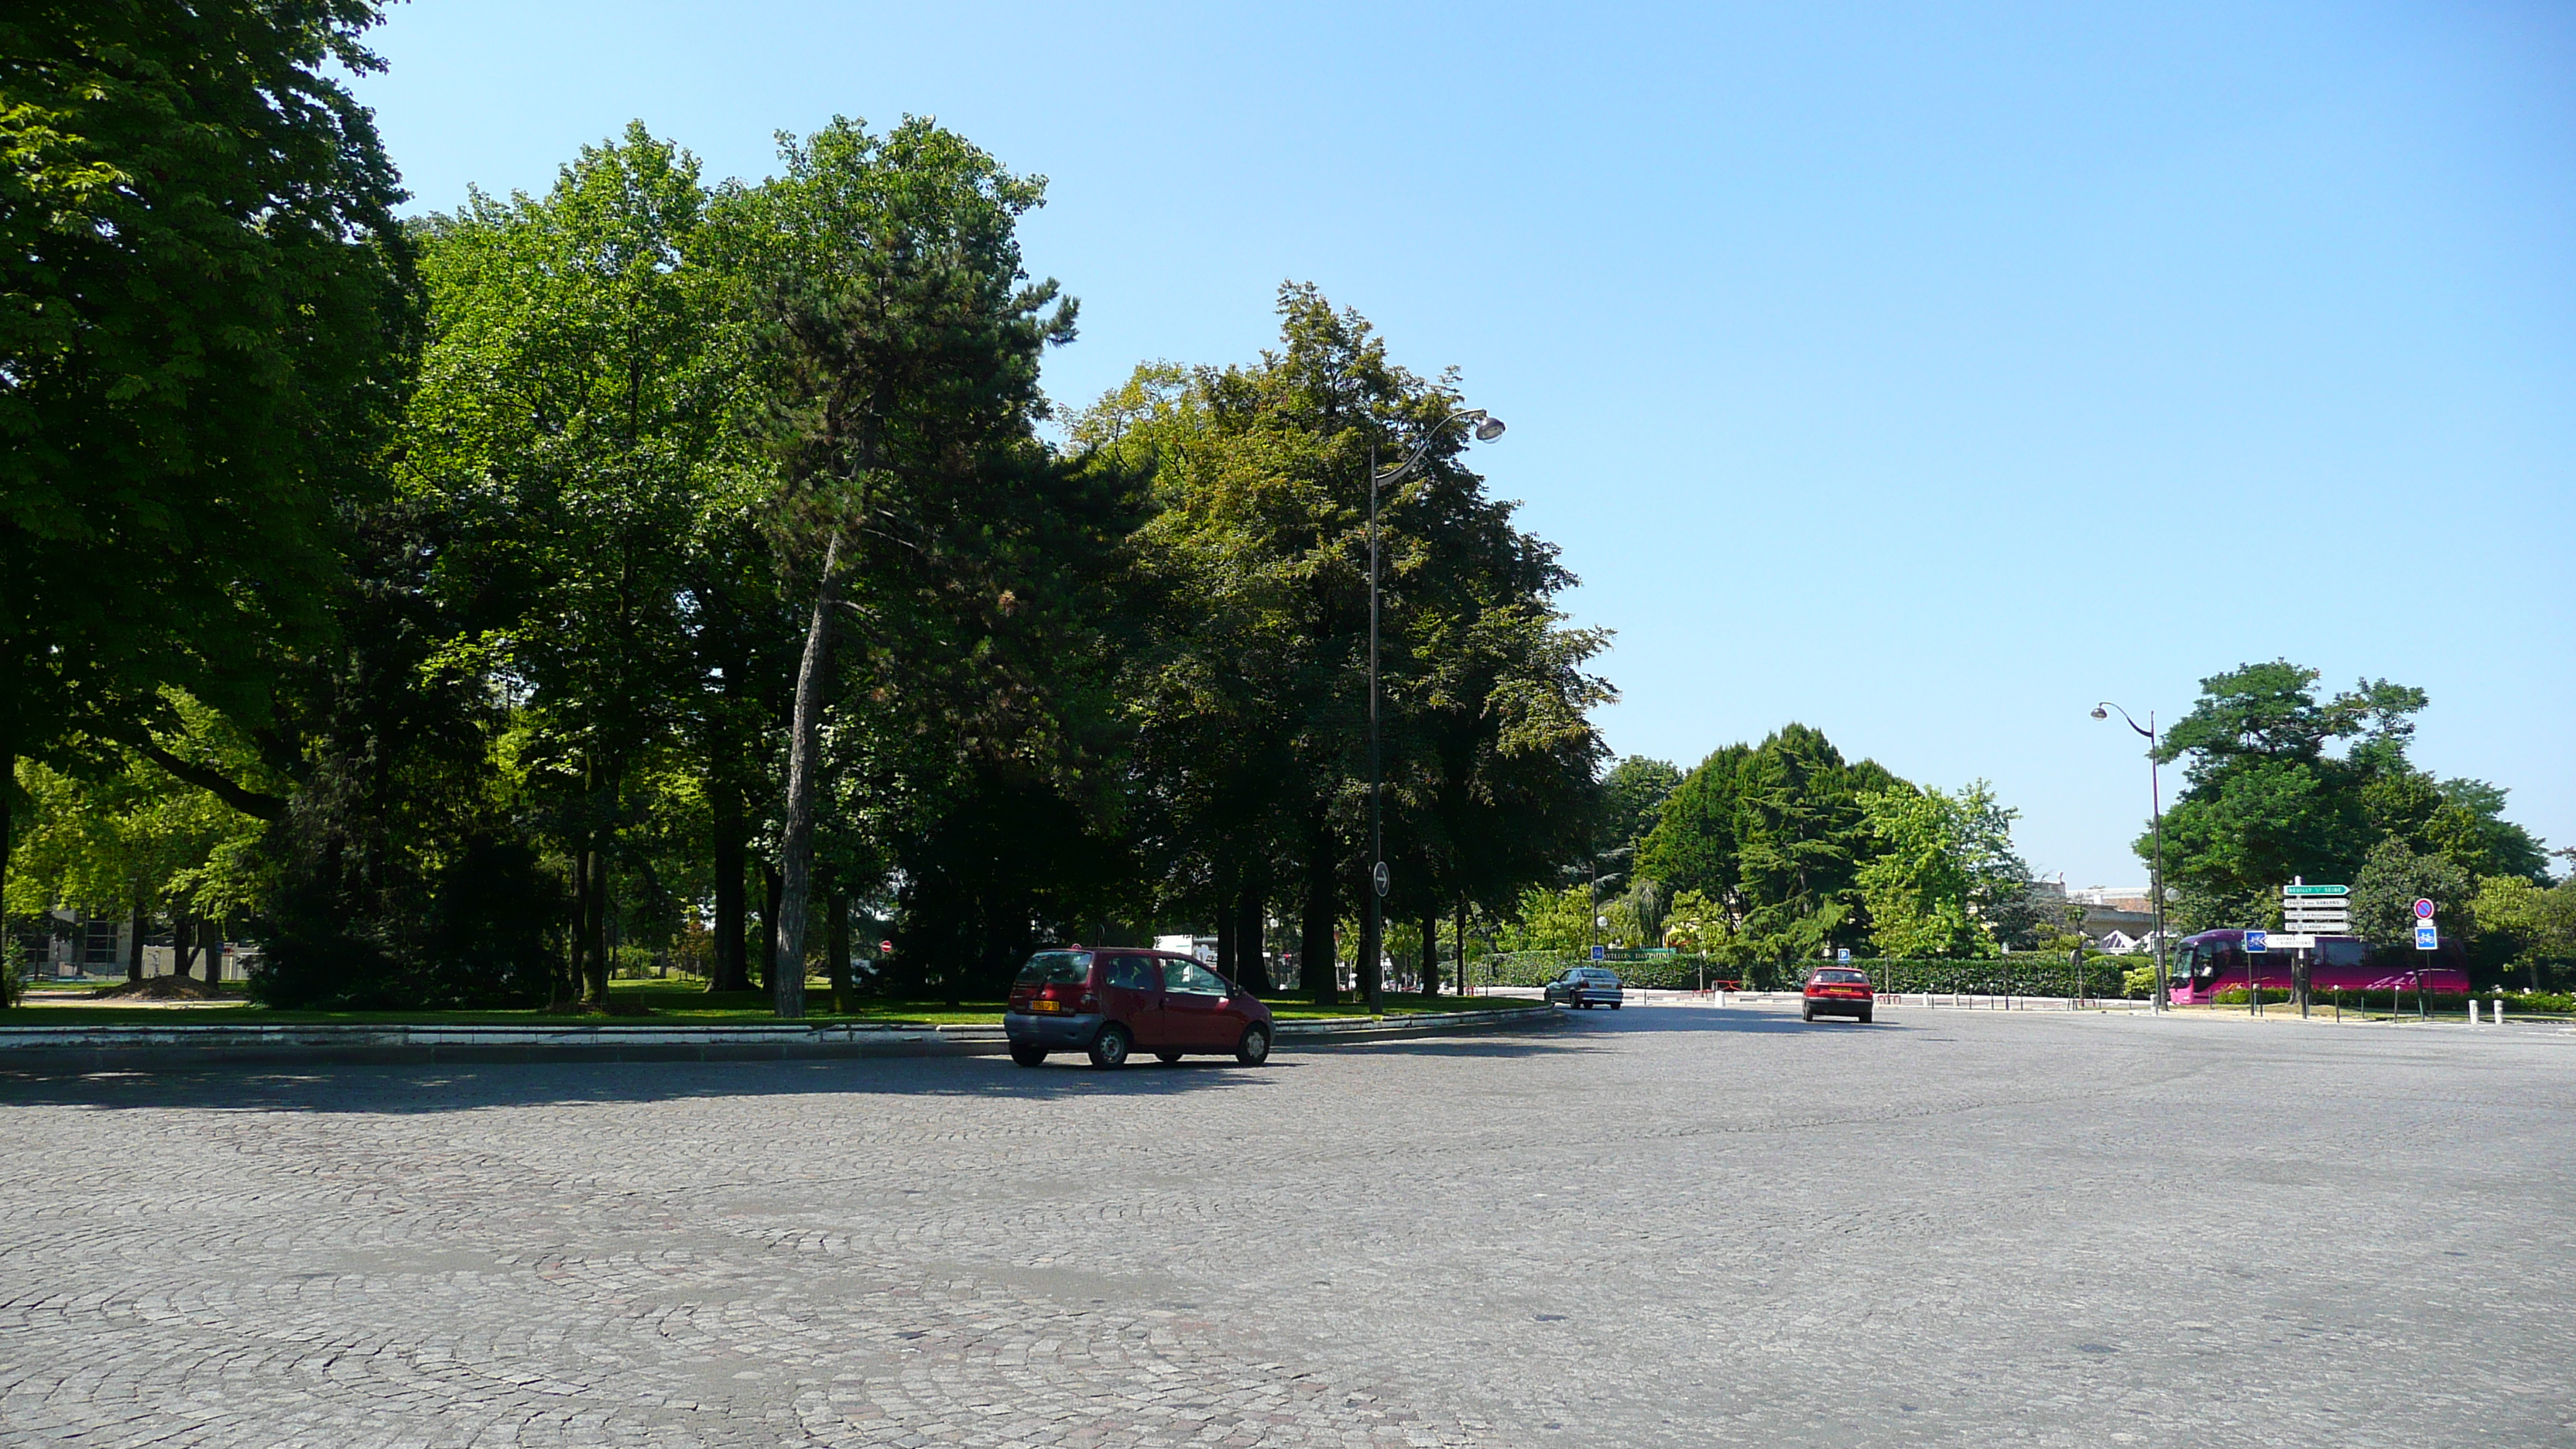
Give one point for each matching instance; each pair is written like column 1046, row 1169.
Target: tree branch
column 256, row 804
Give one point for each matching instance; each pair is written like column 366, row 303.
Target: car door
column 1132, row 992
column 1194, row 1005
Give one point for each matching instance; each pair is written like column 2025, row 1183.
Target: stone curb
column 58, row 1049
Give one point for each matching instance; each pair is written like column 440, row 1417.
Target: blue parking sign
column 1600, row 953
column 2428, row 937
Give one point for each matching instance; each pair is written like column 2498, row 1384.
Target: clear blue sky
column 1922, row 377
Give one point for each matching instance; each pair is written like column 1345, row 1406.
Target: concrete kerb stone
column 61, row 1049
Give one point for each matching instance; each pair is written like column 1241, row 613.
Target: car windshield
column 1842, row 978
column 1056, row 968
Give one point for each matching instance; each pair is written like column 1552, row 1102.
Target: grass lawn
column 667, row 1003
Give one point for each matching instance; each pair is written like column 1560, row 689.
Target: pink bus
column 2214, row 961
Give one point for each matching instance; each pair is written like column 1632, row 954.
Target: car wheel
column 1028, row 1056
column 1109, row 1049
column 1807, row 1012
column 1864, row 1018
column 1254, row 1049
column 1614, row 1006
column 1167, row 1058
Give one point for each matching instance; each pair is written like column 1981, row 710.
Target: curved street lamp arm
column 1430, row 435
column 2124, row 714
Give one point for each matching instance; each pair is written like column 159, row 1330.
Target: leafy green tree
column 578, row 410
column 1550, row 918
column 1632, row 801
column 2536, row 924
column 1250, row 672
column 898, row 341
column 2281, row 784
column 2392, row 878
column 204, row 325
column 1777, row 834
column 1945, row 871
column 2263, row 801
column 134, row 842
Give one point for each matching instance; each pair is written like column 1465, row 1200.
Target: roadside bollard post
column 2499, row 1011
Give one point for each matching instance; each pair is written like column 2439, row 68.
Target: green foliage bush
column 2555, row 1002
column 486, row 940
column 2023, row 974
column 1662, row 973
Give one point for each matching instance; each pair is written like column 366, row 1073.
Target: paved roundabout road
column 1666, row 1226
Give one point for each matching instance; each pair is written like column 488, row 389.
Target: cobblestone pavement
column 1665, row 1226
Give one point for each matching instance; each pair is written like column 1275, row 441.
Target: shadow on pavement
column 336, row 1088
column 1731, row 1020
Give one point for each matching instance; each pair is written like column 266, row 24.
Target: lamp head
column 1488, row 428
column 2100, row 713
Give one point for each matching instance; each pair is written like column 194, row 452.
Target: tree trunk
column 1458, row 943
column 1319, row 970
column 1249, row 914
column 1367, row 978
column 1228, row 964
column 595, row 986
column 769, row 889
column 577, row 949
column 796, row 840
column 1430, row 953
column 183, row 945
column 729, row 971
column 836, row 942
column 134, row 947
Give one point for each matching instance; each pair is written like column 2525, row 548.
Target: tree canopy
column 205, row 329
column 2280, row 784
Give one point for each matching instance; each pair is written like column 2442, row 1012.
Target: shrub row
column 2026, row 974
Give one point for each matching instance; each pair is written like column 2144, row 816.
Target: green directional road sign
column 2309, row 890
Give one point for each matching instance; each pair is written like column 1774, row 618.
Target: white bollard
column 2499, row 1011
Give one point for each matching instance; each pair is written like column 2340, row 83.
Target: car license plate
column 1046, row 1006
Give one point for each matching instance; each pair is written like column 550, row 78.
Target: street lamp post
column 2156, row 807
column 1487, row 427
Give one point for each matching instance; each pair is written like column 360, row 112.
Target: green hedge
column 1660, row 973
column 2023, row 974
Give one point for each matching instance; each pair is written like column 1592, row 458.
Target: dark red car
column 1111, row 1001
column 1839, row 991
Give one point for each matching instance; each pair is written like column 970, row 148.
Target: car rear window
column 1056, row 968
column 1842, row 978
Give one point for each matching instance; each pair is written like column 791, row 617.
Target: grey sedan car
column 1587, row 987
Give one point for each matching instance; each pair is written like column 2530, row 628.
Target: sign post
column 2428, row 937
column 2307, row 912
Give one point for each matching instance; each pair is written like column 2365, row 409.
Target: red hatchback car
column 1111, row 1001
column 1839, row 991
